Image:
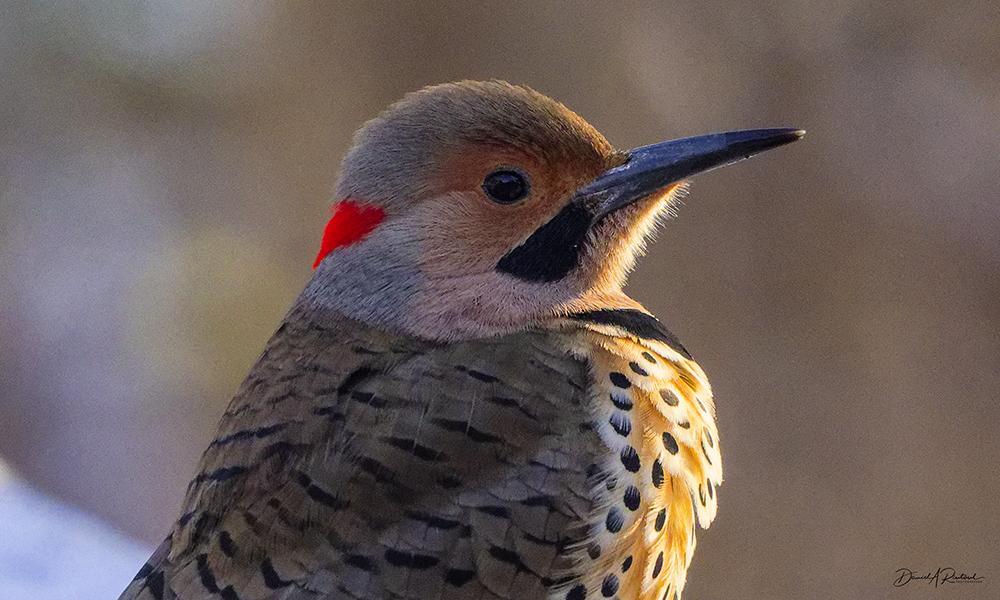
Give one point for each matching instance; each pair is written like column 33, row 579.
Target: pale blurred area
column 52, row 551
column 165, row 170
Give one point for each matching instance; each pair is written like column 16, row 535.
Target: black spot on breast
column 708, row 437
column 594, row 551
column 669, row 397
column 578, row 592
column 620, row 423
column 620, row 380
column 658, row 565
column 684, row 425
column 670, row 443
column 610, row 586
column 630, row 459
column 701, row 494
column 710, row 488
column 640, row 324
column 623, row 402
column 649, row 358
column 637, row 369
column 632, row 497
column 627, row 563
column 615, row 520
column 657, row 474
column 661, row 519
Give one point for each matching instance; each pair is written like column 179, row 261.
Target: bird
column 463, row 403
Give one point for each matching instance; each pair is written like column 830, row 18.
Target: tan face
column 465, row 231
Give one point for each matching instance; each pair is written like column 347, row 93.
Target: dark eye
column 506, row 186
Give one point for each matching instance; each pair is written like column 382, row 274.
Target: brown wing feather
column 354, row 464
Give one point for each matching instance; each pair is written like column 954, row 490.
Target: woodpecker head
column 478, row 208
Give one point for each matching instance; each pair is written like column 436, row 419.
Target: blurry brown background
column 164, row 178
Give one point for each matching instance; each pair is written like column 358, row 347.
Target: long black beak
column 649, row 169
column 554, row 249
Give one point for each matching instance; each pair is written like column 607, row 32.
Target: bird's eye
column 506, row 186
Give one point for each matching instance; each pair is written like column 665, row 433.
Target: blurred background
column 165, row 173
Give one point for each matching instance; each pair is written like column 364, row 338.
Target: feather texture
column 357, row 464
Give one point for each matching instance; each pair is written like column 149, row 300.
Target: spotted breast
column 653, row 408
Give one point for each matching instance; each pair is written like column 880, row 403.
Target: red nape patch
column 350, row 222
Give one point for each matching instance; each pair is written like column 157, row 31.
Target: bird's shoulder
column 354, row 451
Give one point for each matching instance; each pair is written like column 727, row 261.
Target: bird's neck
column 378, row 284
